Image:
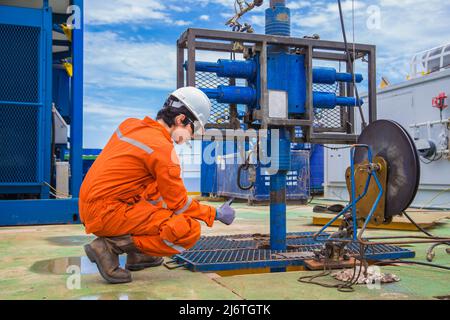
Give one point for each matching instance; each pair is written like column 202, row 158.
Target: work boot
column 137, row 261
column 105, row 251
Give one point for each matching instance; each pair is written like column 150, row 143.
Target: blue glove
column 225, row 213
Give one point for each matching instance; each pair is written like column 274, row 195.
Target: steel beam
column 190, row 72
column 216, row 46
column 333, row 138
column 309, row 110
column 271, row 39
column 180, row 62
column 372, row 86
column 331, row 56
column 76, row 125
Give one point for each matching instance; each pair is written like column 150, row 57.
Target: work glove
column 225, row 213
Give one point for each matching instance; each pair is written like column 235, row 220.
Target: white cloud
column 102, row 117
column 257, row 20
column 111, row 112
column 181, row 23
column 204, row 17
column 347, row 5
column 132, row 11
column 177, row 8
column 112, row 61
column 123, row 11
column 295, row 5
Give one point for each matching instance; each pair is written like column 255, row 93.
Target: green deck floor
column 26, row 274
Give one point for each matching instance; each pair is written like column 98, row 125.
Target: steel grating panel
column 19, row 63
column 246, row 251
column 19, row 103
column 220, row 112
column 18, row 146
column 328, row 118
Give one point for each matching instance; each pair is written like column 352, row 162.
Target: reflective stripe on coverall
column 134, row 187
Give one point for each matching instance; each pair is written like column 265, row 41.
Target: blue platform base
column 35, row 212
column 250, row 251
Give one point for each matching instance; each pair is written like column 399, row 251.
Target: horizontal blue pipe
column 326, row 100
column 330, row 76
column 242, row 69
column 231, row 94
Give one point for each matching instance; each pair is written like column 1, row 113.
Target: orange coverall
column 134, row 187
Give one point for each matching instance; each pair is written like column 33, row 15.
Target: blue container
column 208, row 174
column 297, row 180
column 317, row 168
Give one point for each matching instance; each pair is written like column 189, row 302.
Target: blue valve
column 242, row 69
column 330, row 76
column 326, row 100
column 232, row 94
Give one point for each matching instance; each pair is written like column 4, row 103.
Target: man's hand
column 225, row 213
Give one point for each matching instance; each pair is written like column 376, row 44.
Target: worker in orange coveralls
column 133, row 198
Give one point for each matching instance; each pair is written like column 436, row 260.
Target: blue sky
column 130, row 45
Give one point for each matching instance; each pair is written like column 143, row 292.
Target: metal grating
column 220, row 112
column 18, row 145
column 19, row 63
column 245, row 251
column 19, row 94
column 328, row 118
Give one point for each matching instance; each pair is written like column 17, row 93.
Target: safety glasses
column 176, row 103
column 191, row 123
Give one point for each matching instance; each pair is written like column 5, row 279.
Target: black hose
column 430, row 253
column 245, row 167
column 416, row 262
column 350, row 65
column 419, row 227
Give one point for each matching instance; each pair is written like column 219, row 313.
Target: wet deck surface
column 37, row 262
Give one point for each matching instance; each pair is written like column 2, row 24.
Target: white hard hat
column 196, row 101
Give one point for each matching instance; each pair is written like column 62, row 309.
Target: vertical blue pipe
column 76, row 126
column 278, row 23
column 278, row 191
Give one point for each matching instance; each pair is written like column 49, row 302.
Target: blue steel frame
column 76, row 127
column 45, row 210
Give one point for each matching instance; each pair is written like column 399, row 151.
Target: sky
column 130, row 45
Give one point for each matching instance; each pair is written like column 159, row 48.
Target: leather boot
column 137, row 261
column 105, row 251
